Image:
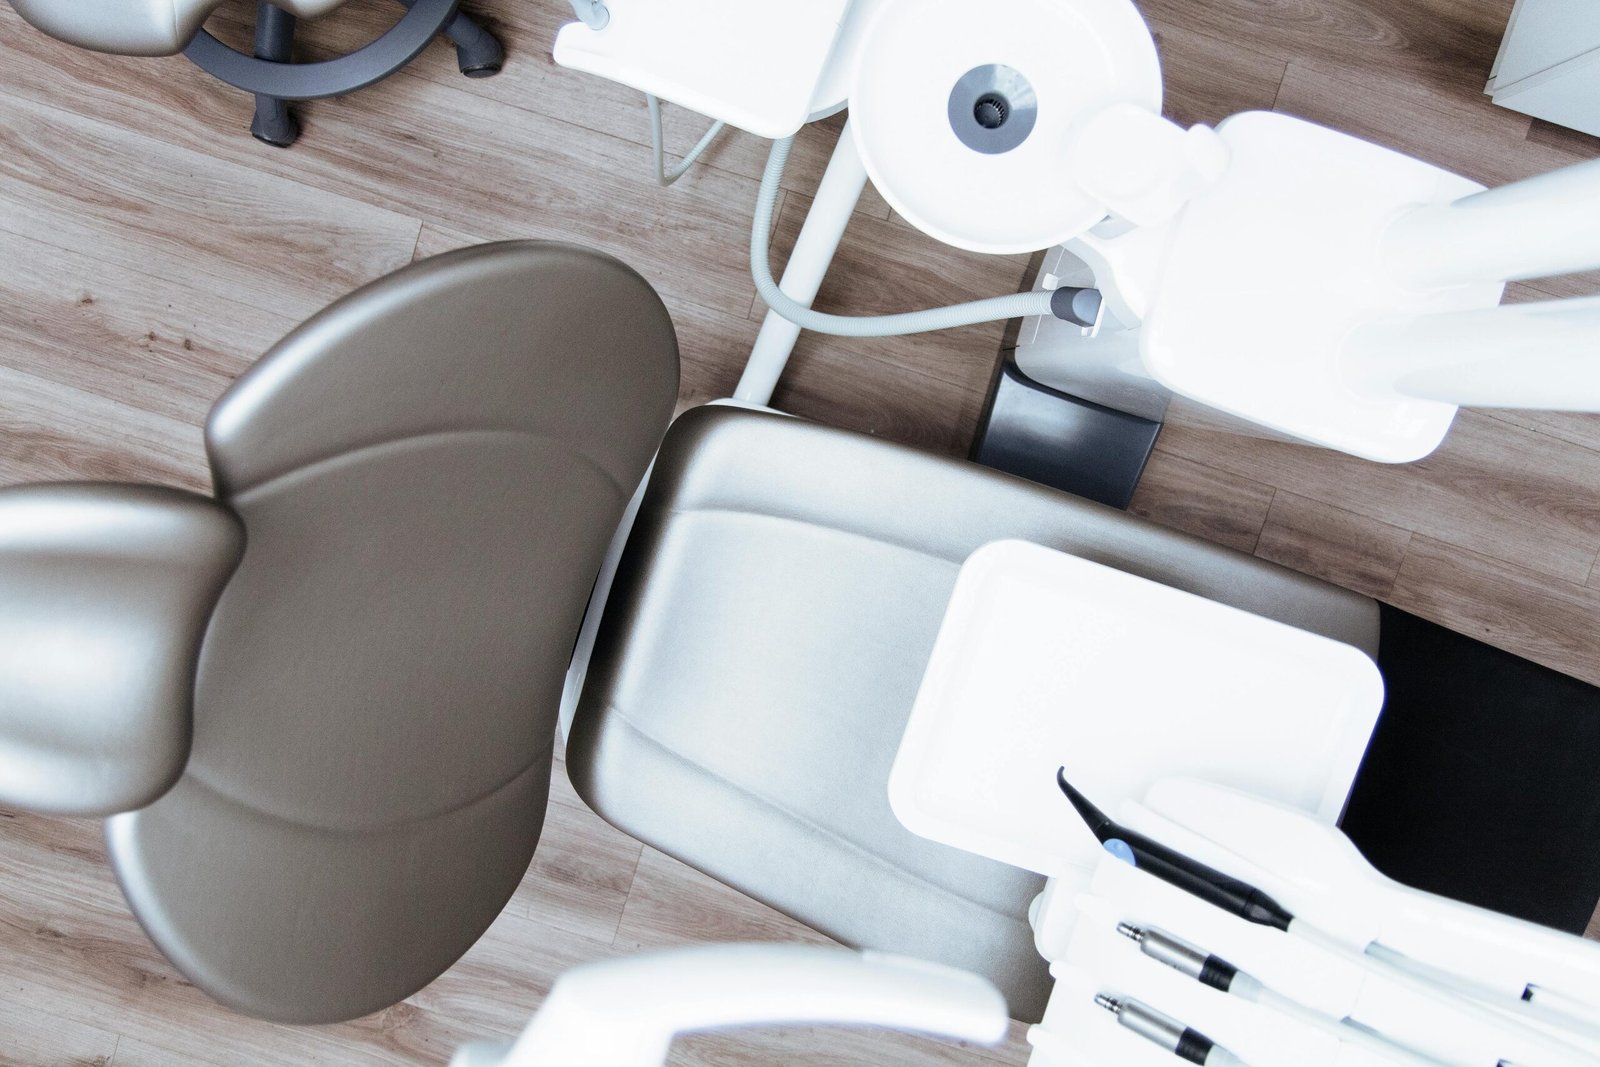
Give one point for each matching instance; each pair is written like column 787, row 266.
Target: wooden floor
column 149, row 249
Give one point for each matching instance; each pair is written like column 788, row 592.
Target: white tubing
column 1545, row 1016
column 1251, row 989
column 1563, row 1003
column 1016, row 305
column 665, row 177
column 1550, row 1050
column 819, row 238
column 1548, row 224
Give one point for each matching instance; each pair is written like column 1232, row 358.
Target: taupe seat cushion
column 763, row 645
column 429, row 473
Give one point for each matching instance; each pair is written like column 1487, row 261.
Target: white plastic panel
column 1270, row 269
column 1567, row 94
column 1543, row 33
column 1046, row 659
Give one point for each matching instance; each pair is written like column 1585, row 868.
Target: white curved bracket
column 625, row 1012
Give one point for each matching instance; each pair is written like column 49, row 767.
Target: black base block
column 1061, row 441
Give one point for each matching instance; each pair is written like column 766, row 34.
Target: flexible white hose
column 1553, row 1051
column 1530, row 1012
column 1251, row 989
column 1016, row 305
column 658, row 148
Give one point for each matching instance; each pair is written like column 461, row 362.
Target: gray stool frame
column 273, row 76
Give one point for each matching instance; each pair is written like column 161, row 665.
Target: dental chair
column 319, row 708
column 167, row 27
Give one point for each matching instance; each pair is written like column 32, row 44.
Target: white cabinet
column 1549, row 63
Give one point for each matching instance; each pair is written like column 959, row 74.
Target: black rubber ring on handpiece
column 1218, row 973
column 1194, row 1046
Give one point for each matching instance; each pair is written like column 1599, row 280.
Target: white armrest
column 624, row 1012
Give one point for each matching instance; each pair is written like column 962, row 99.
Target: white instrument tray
column 1045, row 659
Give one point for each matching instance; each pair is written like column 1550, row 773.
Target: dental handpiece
column 1240, row 898
column 1219, row 974
column 1181, row 956
column 1182, row 1041
column 1209, row 884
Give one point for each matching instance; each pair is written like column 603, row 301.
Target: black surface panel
column 1482, row 782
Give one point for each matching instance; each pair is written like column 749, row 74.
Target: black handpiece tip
column 1211, row 885
column 1098, row 822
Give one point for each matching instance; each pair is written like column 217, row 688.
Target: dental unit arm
column 1387, row 973
column 625, row 1012
column 1314, row 867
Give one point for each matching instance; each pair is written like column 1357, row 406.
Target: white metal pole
column 1544, row 355
column 825, row 223
column 1547, row 224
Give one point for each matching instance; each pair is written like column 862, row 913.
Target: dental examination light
column 958, row 113
column 625, row 1012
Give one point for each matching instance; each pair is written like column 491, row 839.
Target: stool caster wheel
column 273, row 124
column 487, row 70
column 483, row 59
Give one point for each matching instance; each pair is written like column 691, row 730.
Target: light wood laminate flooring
column 150, row 249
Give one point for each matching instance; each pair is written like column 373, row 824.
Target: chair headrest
column 105, row 594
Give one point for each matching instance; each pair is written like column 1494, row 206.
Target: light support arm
column 1070, row 306
column 1544, row 355
column 1544, row 225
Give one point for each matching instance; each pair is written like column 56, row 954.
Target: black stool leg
column 273, row 124
column 478, row 53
